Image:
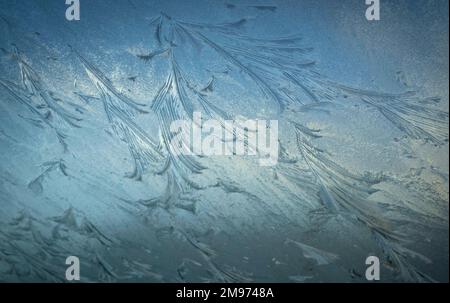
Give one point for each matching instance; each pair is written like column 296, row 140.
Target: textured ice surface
column 85, row 169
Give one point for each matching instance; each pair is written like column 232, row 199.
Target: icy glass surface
column 86, row 169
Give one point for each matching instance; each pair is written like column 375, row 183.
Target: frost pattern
column 307, row 178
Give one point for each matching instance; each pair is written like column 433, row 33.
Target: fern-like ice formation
column 282, row 73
